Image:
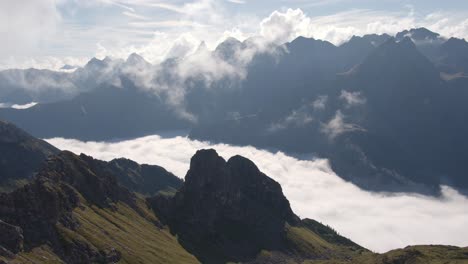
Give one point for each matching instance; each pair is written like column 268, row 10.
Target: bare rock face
column 11, row 237
column 89, row 177
column 226, row 211
column 144, row 179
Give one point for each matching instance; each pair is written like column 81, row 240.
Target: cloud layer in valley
column 377, row 221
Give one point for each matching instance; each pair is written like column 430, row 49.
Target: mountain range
column 388, row 112
column 76, row 209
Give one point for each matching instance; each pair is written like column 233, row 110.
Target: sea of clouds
column 378, row 221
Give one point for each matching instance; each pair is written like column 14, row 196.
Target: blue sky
column 49, row 33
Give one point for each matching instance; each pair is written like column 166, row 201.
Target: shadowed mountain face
column 93, row 115
column 20, row 155
column 389, row 113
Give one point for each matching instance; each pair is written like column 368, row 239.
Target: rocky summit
column 226, row 210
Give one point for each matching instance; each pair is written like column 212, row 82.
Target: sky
column 377, row 221
column 51, row 33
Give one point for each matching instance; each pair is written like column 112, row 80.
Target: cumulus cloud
column 352, row 98
column 378, row 221
column 337, row 126
column 282, row 27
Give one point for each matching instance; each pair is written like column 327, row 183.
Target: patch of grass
column 307, row 243
column 419, row 255
column 329, row 234
column 408, row 255
column 169, row 192
column 137, row 238
column 134, row 234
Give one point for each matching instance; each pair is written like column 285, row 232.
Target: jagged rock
column 11, row 237
column 37, row 207
column 226, row 211
column 89, row 177
column 48, row 201
column 144, row 179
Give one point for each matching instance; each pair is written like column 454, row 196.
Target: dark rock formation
column 11, row 237
column 90, row 177
column 226, row 211
column 145, row 179
column 40, row 207
column 36, row 208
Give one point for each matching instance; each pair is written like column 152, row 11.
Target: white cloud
column 23, row 106
column 377, row 221
column 337, row 126
column 25, row 25
column 282, row 27
column 352, row 98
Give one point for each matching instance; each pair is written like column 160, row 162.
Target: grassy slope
column 316, row 250
column 310, row 244
column 140, row 241
column 137, row 238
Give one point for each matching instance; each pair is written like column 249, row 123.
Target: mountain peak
column 304, row 45
column 228, row 48
column 418, row 34
column 135, row 59
column 372, row 39
column 202, row 47
column 456, row 45
column 68, row 67
column 231, row 198
column 95, row 63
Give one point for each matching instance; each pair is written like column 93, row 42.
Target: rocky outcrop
column 11, row 237
column 226, row 211
column 36, row 208
column 42, row 206
column 144, row 179
column 90, row 177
